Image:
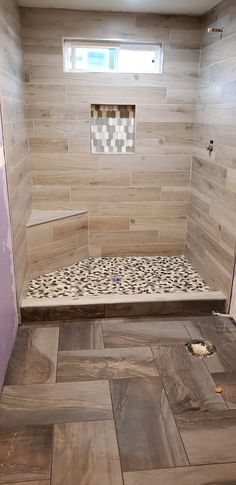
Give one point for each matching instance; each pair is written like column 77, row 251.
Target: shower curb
column 166, row 305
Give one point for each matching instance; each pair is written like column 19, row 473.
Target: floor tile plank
column 64, row 312
column 55, row 403
column 142, row 332
column 34, row 357
column 187, row 382
column 105, row 364
column 86, row 454
column 222, row 333
column 208, row 437
column 81, row 335
column 25, row 453
column 227, row 381
column 147, row 434
column 222, row 474
column 35, row 482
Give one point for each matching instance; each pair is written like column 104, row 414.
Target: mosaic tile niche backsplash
column 112, row 128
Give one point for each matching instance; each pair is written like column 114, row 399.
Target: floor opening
column 201, row 348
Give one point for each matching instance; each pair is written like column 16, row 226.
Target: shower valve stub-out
column 210, row 146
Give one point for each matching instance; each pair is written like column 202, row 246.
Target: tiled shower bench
column 56, row 239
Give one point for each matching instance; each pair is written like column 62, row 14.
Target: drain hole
column 201, row 348
column 117, row 279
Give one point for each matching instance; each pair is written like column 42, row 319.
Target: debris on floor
column 201, row 348
column 218, row 390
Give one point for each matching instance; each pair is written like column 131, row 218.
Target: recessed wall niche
column 112, row 128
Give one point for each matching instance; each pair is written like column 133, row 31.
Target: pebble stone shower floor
column 119, row 276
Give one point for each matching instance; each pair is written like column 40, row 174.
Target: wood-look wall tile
column 122, row 238
column 115, row 194
column 164, row 106
column 45, row 92
column 142, row 249
column 48, row 145
column 160, row 178
column 109, row 223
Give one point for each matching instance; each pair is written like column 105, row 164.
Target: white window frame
column 157, row 47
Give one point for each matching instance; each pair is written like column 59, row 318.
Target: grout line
column 177, row 428
column 116, row 432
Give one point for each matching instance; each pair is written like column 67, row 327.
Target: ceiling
column 188, row 7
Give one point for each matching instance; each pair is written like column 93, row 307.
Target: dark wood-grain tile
column 208, row 437
column 25, row 453
column 222, row 333
column 142, row 332
column 56, row 313
column 223, row 474
column 34, row 356
column 187, row 382
column 105, row 364
column 86, row 454
column 227, row 381
column 81, row 335
column 147, row 434
column 55, row 403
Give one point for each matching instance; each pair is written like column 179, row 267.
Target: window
column 109, row 56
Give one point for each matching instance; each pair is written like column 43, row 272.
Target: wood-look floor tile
column 66, row 312
column 222, row 474
column 34, row 357
column 86, row 454
column 187, row 382
column 81, row 335
column 208, row 437
column 35, row 482
column 142, row 332
column 211, row 327
column 105, row 364
column 147, row 434
column 25, row 453
column 55, row 403
column 227, row 380
column 222, row 333
column 167, row 309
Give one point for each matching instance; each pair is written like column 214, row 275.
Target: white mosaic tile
column 117, row 276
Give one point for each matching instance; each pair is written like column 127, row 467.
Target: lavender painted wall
column 8, row 307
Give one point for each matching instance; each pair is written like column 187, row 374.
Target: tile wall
column 15, row 136
column 212, row 212
column 137, row 202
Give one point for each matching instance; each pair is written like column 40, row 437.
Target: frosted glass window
column 139, row 60
column 94, row 56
